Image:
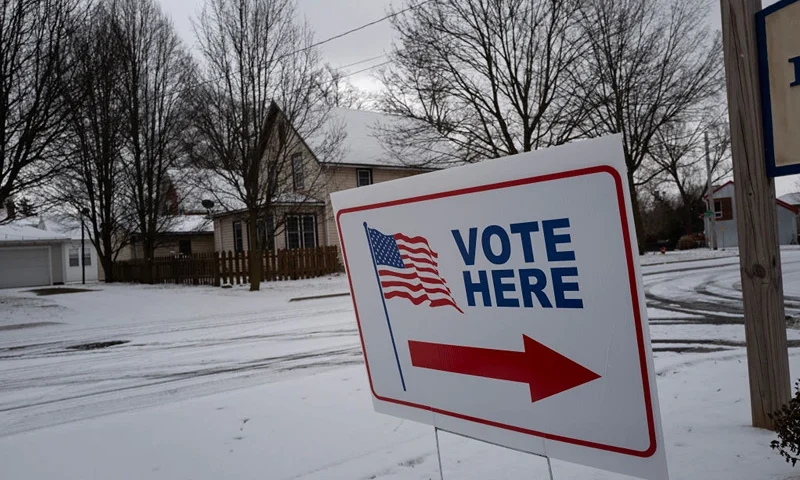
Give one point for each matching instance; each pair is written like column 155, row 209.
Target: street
column 94, row 374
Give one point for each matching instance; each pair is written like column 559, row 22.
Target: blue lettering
column 551, row 240
column 481, row 287
column 505, row 244
column 468, row 254
column 796, row 62
column 530, row 289
column 501, row 288
column 560, row 286
column 525, row 230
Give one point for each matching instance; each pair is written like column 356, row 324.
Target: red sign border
column 651, row 450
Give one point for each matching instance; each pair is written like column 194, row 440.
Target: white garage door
column 24, row 267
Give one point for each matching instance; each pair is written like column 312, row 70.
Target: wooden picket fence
column 230, row 268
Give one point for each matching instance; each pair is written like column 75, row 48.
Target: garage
column 30, row 257
column 25, row 267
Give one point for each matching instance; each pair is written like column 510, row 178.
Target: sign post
column 516, row 305
column 759, row 255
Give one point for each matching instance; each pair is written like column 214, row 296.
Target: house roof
column 20, row 233
column 208, row 184
column 785, row 205
column 190, row 224
column 778, row 201
column 372, row 139
column 791, row 198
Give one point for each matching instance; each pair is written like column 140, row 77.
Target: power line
column 362, row 27
column 365, row 69
column 361, row 61
column 335, row 37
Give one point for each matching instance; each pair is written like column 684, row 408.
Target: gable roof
column 778, row 201
column 190, row 224
column 20, row 233
column 371, row 140
column 791, row 198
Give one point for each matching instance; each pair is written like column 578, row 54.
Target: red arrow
column 545, row 370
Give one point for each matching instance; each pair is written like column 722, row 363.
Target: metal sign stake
column 439, row 456
column 438, row 453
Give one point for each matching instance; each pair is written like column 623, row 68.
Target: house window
column 87, row 256
column 266, row 235
column 363, row 177
column 297, row 171
column 717, row 209
column 74, row 260
column 185, row 247
column 301, row 231
column 238, row 241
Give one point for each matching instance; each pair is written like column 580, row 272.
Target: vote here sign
column 503, row 301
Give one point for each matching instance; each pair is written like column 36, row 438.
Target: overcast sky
column 327, row 18
column 332, row 17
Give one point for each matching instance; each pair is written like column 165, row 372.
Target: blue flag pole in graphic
column 383, row 299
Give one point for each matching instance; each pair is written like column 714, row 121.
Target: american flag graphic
column 408, row 268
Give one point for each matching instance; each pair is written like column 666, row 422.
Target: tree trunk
column 148, row 250
column 108, row 268
column 637, row 215
column 255, row 251
column 106, row 255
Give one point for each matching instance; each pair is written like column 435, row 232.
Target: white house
column 31, row 257
column 793, row 199
column 71, row 255
column 725, row 214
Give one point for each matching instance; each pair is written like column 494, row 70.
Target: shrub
column 686, row 242
column 787, row 426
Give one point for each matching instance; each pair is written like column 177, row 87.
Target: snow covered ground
column 654, row 258
column 214, row 383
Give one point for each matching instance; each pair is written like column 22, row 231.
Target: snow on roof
column 374, row 139
column 68, row 226
column 791, row 198
column 206, row 184
column 17, row 232
column 190, row 224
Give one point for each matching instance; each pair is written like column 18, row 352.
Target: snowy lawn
column 215, row 383
column 655, row 258
column 323, row 427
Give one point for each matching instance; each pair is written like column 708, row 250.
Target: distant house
column 303, row 218
column 793, row 199
column 187, row 228
column 74, row 260
column 31, row 257
column 182, row 235
column 724, row 209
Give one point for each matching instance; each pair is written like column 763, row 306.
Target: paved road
column 210, row 341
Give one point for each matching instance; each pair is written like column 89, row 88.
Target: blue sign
column 777, row 144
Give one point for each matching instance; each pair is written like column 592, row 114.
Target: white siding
column 727, row 233
column 57, row 261
column 74, row 274
column 787, row 227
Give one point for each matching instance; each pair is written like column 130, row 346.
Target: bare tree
column 93, row 94
column 678, row 152
column 156, row 71
column 339, row 92
column 491, row 76
column 650, row 62
column 258, row 101
column 32, row 36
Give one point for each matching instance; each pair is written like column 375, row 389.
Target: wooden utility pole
column 712, row 220
column 756, row 218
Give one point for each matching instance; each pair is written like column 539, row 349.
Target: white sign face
column 503, row 301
